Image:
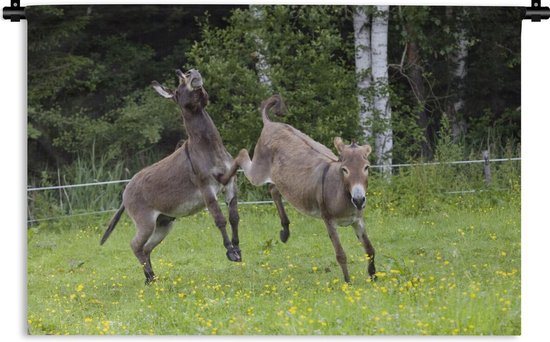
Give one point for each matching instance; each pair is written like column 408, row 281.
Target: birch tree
column 363, row 67
column 262, row 66
column 379, row 40
column 458, row 76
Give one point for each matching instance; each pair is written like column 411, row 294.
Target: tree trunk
column 457, row 80
column 262, row 66
column 379, row 39
column 416, row 81
column 363, row 68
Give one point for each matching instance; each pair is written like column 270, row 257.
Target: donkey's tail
column 112, row 224
column 275, row 102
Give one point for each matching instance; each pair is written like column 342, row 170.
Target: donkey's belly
column 307, row 207
column 313, row 212
column 191, row 204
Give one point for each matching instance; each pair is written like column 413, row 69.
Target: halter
column 323, row 178
column 186, row 148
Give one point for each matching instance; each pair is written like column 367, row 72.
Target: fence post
column 486, row 168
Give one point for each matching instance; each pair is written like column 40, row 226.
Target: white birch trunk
column 262, row 66
column 363, row 67
column 379, row 39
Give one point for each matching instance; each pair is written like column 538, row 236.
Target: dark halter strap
column 323, row 178
column 186, row 148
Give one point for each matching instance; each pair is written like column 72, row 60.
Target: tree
column 371, row 68
column 363, row 67
column 262, row 66
column 379, row 38
column 458, row 75
column 412, row 20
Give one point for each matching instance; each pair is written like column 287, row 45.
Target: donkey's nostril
column 359, row 203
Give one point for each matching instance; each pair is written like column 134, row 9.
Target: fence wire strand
column 69, row 186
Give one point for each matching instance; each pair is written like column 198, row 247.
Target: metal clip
column 15, row 12
column 536, row 13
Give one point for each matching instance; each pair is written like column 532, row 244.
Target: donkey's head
column 354, row 169
column 190, row 94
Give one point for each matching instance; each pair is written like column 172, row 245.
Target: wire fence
column 68, row 186
column 261, row 202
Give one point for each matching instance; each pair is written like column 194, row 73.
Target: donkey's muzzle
column 195, row 79
column 359, row 202
column 358, row 197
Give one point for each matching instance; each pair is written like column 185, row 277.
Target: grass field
column 455, row 271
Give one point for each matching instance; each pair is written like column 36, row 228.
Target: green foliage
column 447, row 149
column 307, row 66
column 89, row 77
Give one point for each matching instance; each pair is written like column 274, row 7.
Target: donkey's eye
column 366, row 169
column 345, row 171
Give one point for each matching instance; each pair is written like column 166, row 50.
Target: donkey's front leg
column 361, row 234
column 212, row 204
column 338, row 249
column 231, row 201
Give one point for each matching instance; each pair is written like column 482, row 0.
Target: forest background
column 453, row 76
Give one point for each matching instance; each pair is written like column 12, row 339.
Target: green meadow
column 454, row 270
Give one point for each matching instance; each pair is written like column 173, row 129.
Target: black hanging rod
column 534, row 13
column 15, row 12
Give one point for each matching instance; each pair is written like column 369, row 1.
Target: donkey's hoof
column 238, row 251
column 234, row 254
column 149, row 281
column 284, row 234
column 372, row 272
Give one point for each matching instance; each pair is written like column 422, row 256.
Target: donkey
column 182, row 183
column 311, row 178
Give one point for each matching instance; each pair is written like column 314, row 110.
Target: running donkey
column 311, row 178
column 182, row 183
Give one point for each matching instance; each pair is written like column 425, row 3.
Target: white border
column 535, row 130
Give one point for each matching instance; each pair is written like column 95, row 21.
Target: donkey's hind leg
column 224, row 179
column 285, row 222
column 145, row 226
column 231, row 201
column 163, row 227
column 256, row 171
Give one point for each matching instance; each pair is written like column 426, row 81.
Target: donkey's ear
column 367, row 150
column 162, row 90
column 181, row 76
column 339, row 144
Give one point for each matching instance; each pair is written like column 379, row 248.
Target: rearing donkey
column 311, row 178
column 182, row 183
